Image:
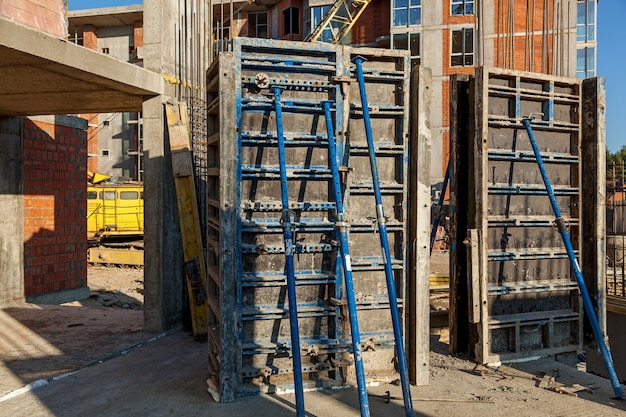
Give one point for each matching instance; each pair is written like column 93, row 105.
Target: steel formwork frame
column 513, row 293
column 249, row 344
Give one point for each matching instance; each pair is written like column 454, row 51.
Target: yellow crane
column 339, row 19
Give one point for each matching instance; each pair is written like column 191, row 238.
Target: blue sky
column 92, row 4
column 611, row 60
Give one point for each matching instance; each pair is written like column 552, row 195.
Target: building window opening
column 462, row 48
column 317, row 14
column 586, row 21
column 406, row 13
column 291, row 21
column 461, row 7
column 585, row 62
column 408, row 41
column 257, row 24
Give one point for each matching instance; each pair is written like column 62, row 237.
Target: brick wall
column 55, row 204
column 374, row 22
column 138, row 34
column 515, row 45
column 44, row 15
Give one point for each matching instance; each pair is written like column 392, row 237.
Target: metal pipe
column 437, row 217
column 384, row 241
column 287, row 225
column 560, row 223
column 342, row 230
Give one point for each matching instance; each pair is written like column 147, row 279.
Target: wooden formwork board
column 512, row 275
column 189, row 217
column 250, row 341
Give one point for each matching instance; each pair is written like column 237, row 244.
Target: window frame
column 415, row 59
column 129, row 195
column 464, row 5
column 586, row 30
column 408, row 8
column 327, row 33
column 589, row 62
column 289, row 13
column 257, row 25
column 464, row 54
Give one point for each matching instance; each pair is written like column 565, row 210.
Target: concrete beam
column 41, row 74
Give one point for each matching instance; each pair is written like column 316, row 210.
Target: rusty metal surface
column 250, row 341
column 529, row 304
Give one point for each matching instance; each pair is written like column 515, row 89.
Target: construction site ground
column 93, row 358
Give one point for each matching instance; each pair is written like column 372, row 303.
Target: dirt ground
column 42, row 341
column 457, row 387
column 116, row 287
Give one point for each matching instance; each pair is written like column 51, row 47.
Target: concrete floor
column 142, row 374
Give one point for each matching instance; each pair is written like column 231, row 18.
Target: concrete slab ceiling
column 41, row 74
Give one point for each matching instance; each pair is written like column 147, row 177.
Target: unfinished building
column 233, row 128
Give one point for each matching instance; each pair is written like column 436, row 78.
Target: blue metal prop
column 288, row 225
column 560, row 223
column 342, row 230
column 384, row 241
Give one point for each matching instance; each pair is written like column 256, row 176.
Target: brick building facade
column 451, row 37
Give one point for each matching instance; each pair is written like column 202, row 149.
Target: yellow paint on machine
column 115, row 210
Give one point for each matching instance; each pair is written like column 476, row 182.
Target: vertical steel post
column 560, row 223
column 287, row 225
column 384, row 241
column 342, row 230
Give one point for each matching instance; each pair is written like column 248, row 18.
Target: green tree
column 616, row 164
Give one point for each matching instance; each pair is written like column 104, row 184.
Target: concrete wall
column 55, row 226
column 617, row 342
column 116, row 136
column 45, row 15
column 11, row 211
column 110, row 136
column 117, row 40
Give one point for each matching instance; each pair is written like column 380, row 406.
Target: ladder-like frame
column 339, row 19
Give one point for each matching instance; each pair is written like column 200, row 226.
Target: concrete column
column 11, row 211
column 163, row 263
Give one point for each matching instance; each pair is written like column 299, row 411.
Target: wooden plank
column 474, row 244
column 594, row 195
column 182, row 165
column 418, row 333
column 479, row 115
column 229, row 262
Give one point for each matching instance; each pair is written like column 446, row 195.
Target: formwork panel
column 252, row 354
column 520, row 289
